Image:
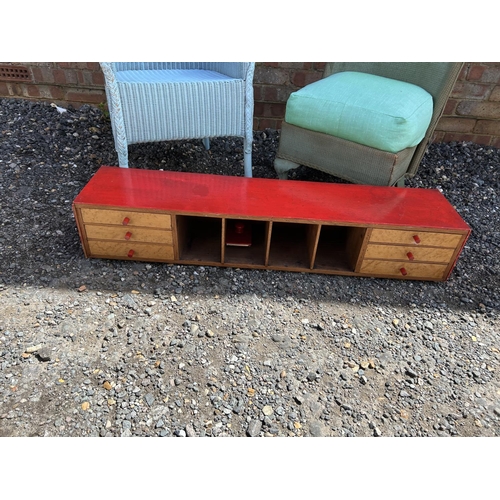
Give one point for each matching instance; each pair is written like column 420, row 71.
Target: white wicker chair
column 161, row 101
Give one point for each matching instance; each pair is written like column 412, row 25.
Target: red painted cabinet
column 202, row 219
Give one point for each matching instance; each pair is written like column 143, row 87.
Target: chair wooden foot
column 283, row 166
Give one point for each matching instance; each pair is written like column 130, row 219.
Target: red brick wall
column 64, row 83
column 472, row 112
column 273, row 83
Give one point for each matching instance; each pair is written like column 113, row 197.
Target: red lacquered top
column 207, row 194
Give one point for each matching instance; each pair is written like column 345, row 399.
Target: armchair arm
column 115, row 107
column 241, row 70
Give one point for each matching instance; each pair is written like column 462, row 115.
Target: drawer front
column 415, row 238
column 405, row 253
column 137, row 251
column 126, row 218
column 125, row 233
column 393, row 269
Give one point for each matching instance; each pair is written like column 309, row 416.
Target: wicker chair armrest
column 241, row 70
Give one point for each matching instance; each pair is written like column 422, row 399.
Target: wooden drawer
column 404, row 253
column 129, row 234
column 444, row 240
column 393, row 269
column 127, row 218
column 141, row 251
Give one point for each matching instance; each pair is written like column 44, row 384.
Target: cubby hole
column 338, row 248
column 199, row 238
column 240, row 252
column 292, row 245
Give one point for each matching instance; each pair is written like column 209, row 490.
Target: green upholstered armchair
column 368, row 123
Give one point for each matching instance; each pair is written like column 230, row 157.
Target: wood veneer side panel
column 81, row 230
column 181, row 235
column 313, row 232
column 223, row 240
column 364, row 235
column 269, row 230
column 354, row 243
column 454, row 259
column 175, row 237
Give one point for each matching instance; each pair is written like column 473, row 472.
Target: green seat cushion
column 375, row 111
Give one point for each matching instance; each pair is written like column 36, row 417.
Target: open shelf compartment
column 199, row 238
column 293, row 245
column 246, row 242
column 339, row 248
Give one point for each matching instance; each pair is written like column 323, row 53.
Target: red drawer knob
column 416, row 238
column 410, row 256
column 239, row 227
column 404, row 272
column 130, row 253
column 126, row 221
column 128, row 235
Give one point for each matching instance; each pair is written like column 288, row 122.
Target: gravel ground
column 114, row 348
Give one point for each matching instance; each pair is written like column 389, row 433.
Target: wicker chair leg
column 247, row 157
column 122, row 156
column 283, row 166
